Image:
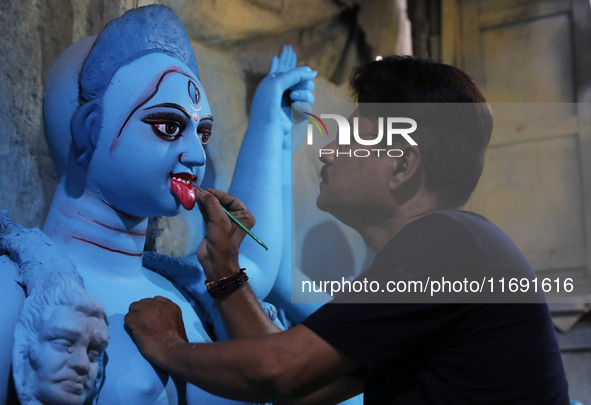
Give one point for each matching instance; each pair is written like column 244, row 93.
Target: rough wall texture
column 233, row 40
column 34, row 33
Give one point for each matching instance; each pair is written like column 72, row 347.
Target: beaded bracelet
column 226, row 285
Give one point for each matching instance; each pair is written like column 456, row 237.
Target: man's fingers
column 235, row 206
column 158, row 304
column 138, row 305
column 211, row 201
column 163, row 299
column 210, row 206
column 227, row 200
column 152, row 321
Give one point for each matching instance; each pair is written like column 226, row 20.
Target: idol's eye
column 204, row 136
column 204, row 131
column 166, row 125
column 170, row 129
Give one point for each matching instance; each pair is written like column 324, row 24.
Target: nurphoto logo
column 392, row 133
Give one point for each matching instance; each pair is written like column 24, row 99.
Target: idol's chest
column 131, row 380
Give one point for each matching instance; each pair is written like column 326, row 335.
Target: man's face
column 151, row 142
column 66, row 358
column 352, row 187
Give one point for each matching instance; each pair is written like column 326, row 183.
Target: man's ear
column 85, row 127
column 405, row 168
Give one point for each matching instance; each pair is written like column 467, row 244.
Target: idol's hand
column 218, row 252
column 284, row 84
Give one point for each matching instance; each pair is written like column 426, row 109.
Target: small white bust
column 59, row 351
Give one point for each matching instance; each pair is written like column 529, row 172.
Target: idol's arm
column 281, row 293
column 258, row 175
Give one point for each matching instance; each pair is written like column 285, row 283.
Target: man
column 406, row 209
column 60, row 342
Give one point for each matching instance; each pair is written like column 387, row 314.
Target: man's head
column 454, row 125
column 452, row 141
column 59, row 351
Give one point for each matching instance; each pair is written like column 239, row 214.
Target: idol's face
column 66, row 358
column 155, row 121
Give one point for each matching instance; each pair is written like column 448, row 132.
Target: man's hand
column 218, row 252
column 275, row 367
column 155, row 324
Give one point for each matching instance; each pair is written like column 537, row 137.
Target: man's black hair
column 453, row 139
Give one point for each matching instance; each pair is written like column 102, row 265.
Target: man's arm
column 276, row 367
column 240, row 310
column 334, row 393
column 262, row 365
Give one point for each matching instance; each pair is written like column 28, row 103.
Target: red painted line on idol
column 136, row 233
column 109, row 249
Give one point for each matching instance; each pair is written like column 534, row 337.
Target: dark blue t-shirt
column 433, row 353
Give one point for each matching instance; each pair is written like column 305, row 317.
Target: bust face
column 155, row 120
column 66, row 359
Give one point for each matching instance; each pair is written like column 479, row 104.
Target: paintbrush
column 237, row 222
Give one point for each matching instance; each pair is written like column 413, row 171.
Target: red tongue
column 184, row 192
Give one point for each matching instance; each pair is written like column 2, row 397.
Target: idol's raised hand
column 285, row 84
column 263, row 163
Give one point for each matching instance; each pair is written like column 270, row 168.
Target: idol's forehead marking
column 194, row 96
column 158, row 83
column 173, row 69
